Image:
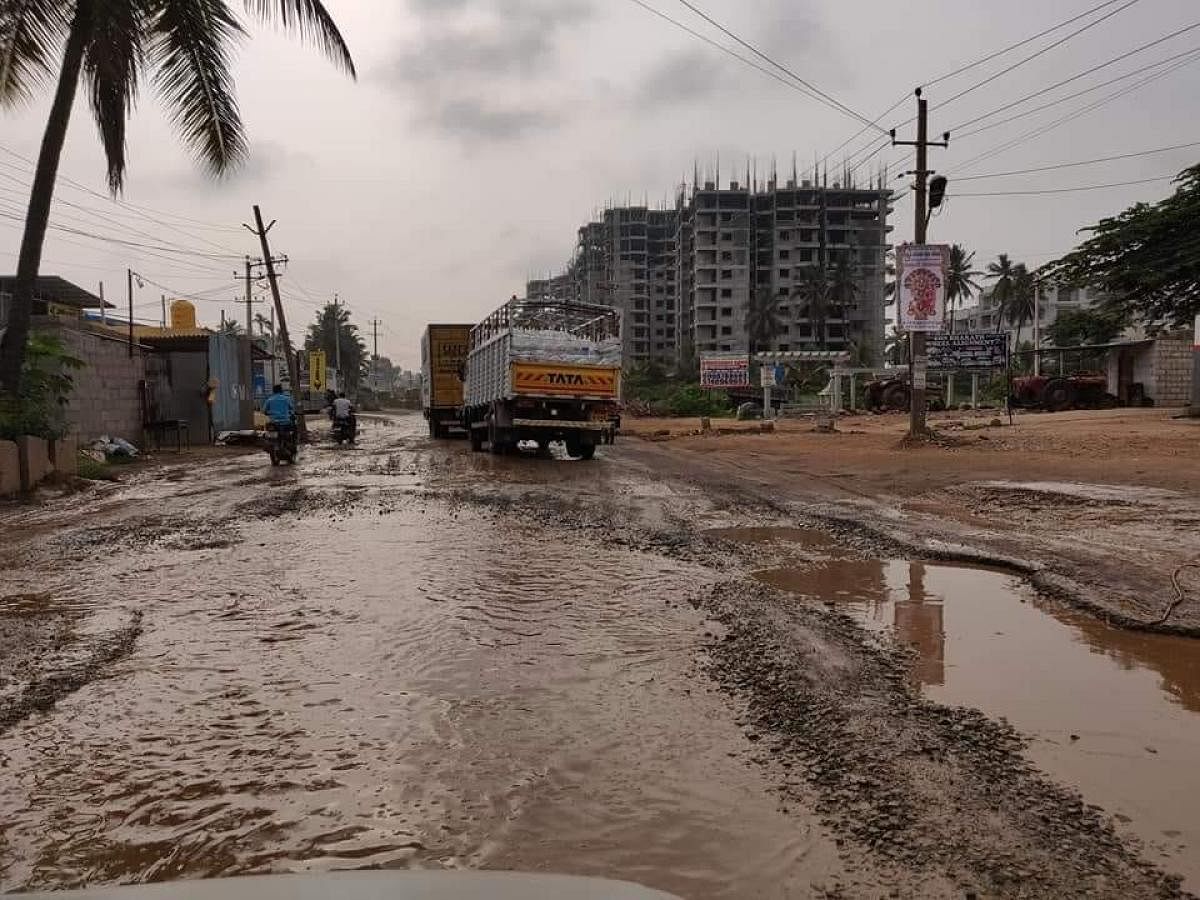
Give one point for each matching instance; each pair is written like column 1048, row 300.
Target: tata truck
column 544, row 371
column 443, row 356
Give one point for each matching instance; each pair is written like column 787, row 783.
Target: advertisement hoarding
column 724, row 371
column 316, row 370
column 968, row 350
column 921, row 286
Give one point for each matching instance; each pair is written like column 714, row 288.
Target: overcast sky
column 482, row 133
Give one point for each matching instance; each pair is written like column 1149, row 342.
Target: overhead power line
column 965, row 68
column 1020, row 43
column 1040, row 130
column 1086, row 72
column 1083, row 162
column 1078, row 31
column 1068, row 190
column 827, row 98
column 1191, row 52
column 726, row 50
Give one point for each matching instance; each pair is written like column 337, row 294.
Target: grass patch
column 91, row 470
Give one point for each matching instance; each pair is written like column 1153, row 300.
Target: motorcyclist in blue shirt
column 279, row 409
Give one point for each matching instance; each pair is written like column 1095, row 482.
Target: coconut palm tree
column 843, row 283
column 813, row 291
column 960, row 279
column 1001, row 273
column 762, row 318
column 183, row 47
column 1019, row 309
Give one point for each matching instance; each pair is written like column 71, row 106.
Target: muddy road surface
column 406, row 655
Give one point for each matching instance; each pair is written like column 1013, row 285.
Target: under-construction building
column 686, row 278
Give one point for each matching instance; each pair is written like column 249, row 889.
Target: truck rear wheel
column 587, row 451
column 476, row 435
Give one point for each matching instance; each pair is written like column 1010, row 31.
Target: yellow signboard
column 316, row 370
column 565, row 380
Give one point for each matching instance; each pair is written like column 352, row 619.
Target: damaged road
column 405, row 654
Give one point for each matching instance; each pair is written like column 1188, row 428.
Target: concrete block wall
column 1172, row 371
column 107, row 397
column 33, row 461
column 64, row 456
column 10, row 469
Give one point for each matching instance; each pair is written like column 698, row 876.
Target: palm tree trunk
column 37, row 217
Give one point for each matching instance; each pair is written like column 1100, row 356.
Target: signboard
column 772, row 376
column 921, row 286
column 919, row 366
column 724, row 371
column 968, row 350
column 316, row 370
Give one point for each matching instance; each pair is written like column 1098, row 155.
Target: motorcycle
column 283, row 443
column 344, row 430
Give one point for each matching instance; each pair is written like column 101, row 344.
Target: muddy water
column 349, row 672
column 1115, row 713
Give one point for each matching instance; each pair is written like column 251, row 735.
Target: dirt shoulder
column 1100, row 508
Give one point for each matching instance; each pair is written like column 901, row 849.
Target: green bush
column 692, row 400
column 38, row 409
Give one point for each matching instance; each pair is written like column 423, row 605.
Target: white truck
column 544, row 371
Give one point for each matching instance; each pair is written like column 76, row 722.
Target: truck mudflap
column 565, row 380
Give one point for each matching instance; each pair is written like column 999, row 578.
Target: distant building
column 684, row 278
column 985, row 314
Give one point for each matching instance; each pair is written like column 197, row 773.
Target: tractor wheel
column 896, row 396
column 1058, row 395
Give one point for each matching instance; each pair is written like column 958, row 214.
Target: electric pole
column 337, row 342
column 917, row 359
column 269, row 262
column 129, row 283
column 249, row 278
column 375, row 323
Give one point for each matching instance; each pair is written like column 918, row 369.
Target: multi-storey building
column 687, row 278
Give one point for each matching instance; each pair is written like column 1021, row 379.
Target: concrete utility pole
column 249, row 279
column 375, row 323
column 269, row 262
column 337, row 340
column 129, row 281
column 164, row 309
column 917, row 360
column 1037, row 327
column 1194, row 409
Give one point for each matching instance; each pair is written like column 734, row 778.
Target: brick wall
column 107, row 395
column 1172, row 371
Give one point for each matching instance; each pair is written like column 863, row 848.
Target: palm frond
column 30, row 31
column 312, row 22
column 190, row 48
column 112, row 65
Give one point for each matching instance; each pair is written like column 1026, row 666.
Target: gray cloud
column 685, row 78
column 482, row 68
column 473, row 119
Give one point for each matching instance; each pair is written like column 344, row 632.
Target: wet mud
column 404, row 654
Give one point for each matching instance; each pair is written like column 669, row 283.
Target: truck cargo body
column 544, row 371
column 443, row 355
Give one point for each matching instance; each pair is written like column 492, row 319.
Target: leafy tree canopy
column 1146, row 261
column 1076, row 327
column 331, row 327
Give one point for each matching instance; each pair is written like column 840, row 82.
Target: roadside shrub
column 691, row 400
column 46, row 383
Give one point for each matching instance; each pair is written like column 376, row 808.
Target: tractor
column 1083, row 390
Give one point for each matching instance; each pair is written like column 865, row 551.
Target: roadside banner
column 316, row 370
column 771, row 376
column 921, row 286
column 724, row 370
column 967, row 350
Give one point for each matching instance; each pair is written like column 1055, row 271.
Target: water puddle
column 1113, row 712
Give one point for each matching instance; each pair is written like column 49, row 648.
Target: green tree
column 1001, row 274
column 763, row 322
column 46, row 385
column 1077, row 327
column 960, row 279
column 231, row 326
column 843, row 283
column 1019, row 308
column 1146, row 261
column 332, row 330
column 182, row 46
column 813, row 292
